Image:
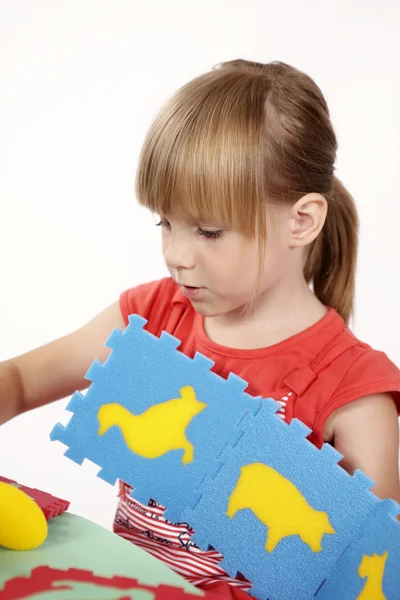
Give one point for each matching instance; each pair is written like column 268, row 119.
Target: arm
column 57, row 369
column 366, row 432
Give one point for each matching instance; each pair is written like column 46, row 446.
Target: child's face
column 221, row 265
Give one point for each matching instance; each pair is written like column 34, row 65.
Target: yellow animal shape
column 157, row 430
column 23, row 525
column 372, row 567
column 278, row 504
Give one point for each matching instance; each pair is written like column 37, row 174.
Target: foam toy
column 56, row 584
column 295, row 507
column 80, row 560
column 138, row 426
column 50, row 505
column 282, row 512
column 369, row 568
column 23, row 525
column 78, row 584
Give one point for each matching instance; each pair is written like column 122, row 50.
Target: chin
column 208, row 310
column 205, row 309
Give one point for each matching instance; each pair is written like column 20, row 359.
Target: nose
column 177, row 253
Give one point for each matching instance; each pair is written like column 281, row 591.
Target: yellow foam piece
column 279, row 505
column 157, row 430
column 23, row 525
column 373, row 568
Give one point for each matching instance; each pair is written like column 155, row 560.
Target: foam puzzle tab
column 280, row 499
column 151, row 411
column 369, row 569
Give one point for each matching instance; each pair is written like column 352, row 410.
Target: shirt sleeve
column 371, row 373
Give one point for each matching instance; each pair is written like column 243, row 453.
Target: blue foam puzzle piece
column 380, row 534
column 143, row 370
column 292, row 569
column 235, row 429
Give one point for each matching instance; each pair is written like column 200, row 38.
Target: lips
column 191, row 292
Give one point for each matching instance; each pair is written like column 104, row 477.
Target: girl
column 260, row 240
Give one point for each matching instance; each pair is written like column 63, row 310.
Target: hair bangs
column 203, row 157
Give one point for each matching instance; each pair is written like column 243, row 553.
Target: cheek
column 165, row 244
column 237, row 265
column 164, row 239
column 276, row 264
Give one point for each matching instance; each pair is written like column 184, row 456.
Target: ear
column 307, row 217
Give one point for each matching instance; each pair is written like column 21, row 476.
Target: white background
column 80, row 82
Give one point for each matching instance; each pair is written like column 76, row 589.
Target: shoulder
column 152, row 300
column 368, row 389
column 346, row 370
column 353, row 367
column 367, row 371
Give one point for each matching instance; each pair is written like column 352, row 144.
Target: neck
column 278, row 314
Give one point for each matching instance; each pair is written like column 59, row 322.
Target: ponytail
column 331, row 260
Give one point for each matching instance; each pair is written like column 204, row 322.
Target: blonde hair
column 245, row 136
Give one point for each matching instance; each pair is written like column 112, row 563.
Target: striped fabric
column 170, row 542
column 283, row 401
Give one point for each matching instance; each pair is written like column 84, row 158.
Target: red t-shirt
column 320, row 369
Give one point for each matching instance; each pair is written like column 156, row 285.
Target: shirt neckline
column 331, row 319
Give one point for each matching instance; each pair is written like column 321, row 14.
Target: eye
column 163, row 223
column 211, row 235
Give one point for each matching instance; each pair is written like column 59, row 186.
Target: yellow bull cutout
column 279, row 505
column 159, row 429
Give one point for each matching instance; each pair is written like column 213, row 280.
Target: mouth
column 191, row 291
